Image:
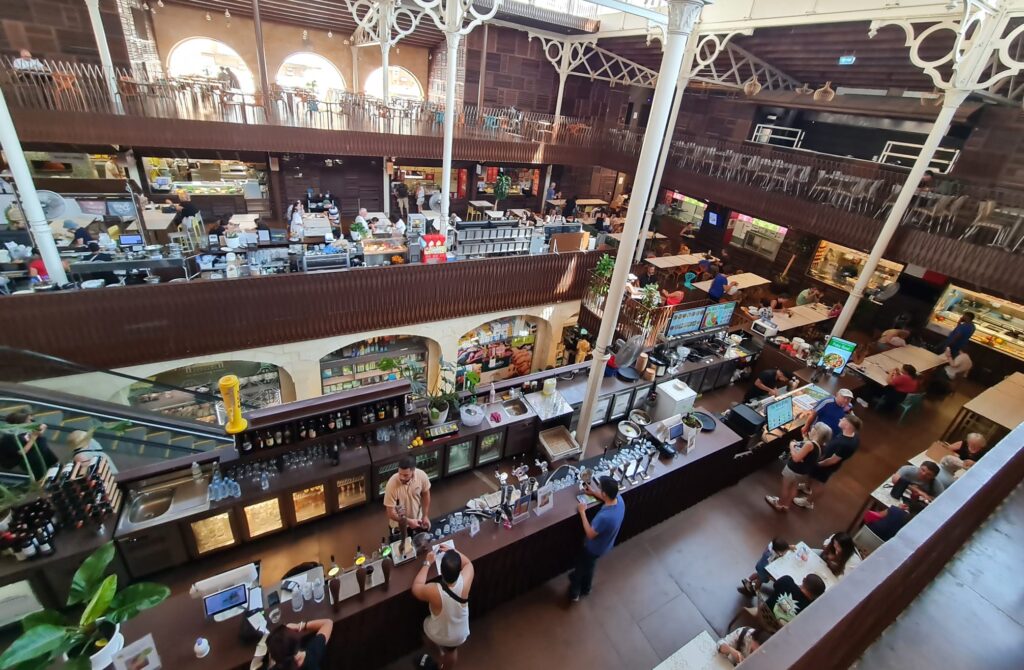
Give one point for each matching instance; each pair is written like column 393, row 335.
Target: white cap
column 845, row 393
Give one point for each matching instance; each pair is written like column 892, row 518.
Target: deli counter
column 999, row 324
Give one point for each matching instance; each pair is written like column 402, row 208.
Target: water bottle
column 264, row 481
column 318, row 590
column 236, row 489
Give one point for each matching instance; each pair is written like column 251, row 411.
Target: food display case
column 351, row 491
column 309, row 503
column 460, row 456
column 999, row 324
column 430, row 463
column 382, row 251
column 840, row 266
column 684, row 208
column 489, row 446
column 756, row 235
column 213, row 533
column 263, row 517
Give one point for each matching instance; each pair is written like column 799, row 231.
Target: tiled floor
column 655, row 592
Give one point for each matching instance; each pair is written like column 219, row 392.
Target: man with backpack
column 402, row 194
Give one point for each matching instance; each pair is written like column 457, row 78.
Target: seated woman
column 840, row 554
column 742, row 642
column 674, row 297
column 902, row 381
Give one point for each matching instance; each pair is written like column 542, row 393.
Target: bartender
column 407, row 496
column 766, row 384
column 97, row 256
column 183, row 210
column 82, row 236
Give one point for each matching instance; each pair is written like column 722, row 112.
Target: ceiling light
column 227, row 14
column 305, row 35
column 345, row 42
column 208, row 17
column 847, row 60
column 159, row 3
column 330, row 33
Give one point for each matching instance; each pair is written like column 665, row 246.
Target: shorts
column 789, row 475
column 403, row 203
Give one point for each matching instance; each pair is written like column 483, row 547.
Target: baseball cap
column 845, row 393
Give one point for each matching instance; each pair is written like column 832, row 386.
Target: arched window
column 203, row 57
column 498, row 349
column 401, row 82
column 310, row 71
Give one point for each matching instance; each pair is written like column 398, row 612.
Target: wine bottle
column 303, row 431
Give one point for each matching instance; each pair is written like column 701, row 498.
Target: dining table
column 799, row 563
column 700, row 653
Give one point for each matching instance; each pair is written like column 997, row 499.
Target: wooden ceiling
column 811, row 54
column 309, row 14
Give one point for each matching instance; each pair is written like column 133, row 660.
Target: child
column 752, row 584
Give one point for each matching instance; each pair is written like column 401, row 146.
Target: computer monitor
column 129, row 240
column 675, row 431
column 837, row 354
column 718, row 316
column 779, row 413
column 684, row 322
column 228, row 599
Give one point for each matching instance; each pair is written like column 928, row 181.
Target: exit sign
column 847, row 60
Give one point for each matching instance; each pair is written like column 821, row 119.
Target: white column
column 952, row 100
column 563, row 74
column 41, row 232
column 101, row 44
column 387, row 188
column 356, row 88
column 682, row 15
column 385, row 52
column 449, row 128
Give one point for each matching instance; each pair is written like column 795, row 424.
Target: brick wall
column 59, row 30
column 517, row 73
column 437, row 83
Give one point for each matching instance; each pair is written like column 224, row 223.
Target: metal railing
column 864, row 188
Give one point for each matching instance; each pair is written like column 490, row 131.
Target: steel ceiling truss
column 743, row 66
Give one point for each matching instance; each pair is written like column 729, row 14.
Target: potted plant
column 232, row 239
column 691, row 426
column 441, row 398
column 90, row 639
column 601, row 278
column 360, row 229
column 501, row 188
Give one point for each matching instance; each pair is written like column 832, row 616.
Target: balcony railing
column 635, row 318
column 861, row 189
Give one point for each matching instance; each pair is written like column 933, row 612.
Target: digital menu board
column 837, row 354
column 718, row 316
column 684, row 322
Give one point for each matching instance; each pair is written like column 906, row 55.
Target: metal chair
column 983, row 222
column 947, row 219
column 822, row 187
column 924, row 214
column 890, row 200
column 908, row 404
column 847, row 191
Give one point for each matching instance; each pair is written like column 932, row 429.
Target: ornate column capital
column 683, row 15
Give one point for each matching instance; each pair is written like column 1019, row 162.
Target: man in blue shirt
column 830, row 410
column 961, row 335
column 601, row 534
column 719, row 284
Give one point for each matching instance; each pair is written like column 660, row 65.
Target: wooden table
column 799, row 316
column 478, row 207
column 700, row 653
column 877, row 367
column 521, row 213
column 495, row 214
column 665, row 262
column 651, row 235
column 791, row 564
column 934, row 453
column 744, row 280
column 1002, row 404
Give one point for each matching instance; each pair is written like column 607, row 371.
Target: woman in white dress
column 295, row 228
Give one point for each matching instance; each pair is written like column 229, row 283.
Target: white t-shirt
column 960, row 366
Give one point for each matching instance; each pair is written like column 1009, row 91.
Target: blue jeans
column 761, row 567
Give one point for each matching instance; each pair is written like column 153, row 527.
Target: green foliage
column 649, row 296
column 501, row 188
column 443, row 392
column 49, row 634
column 605, row 266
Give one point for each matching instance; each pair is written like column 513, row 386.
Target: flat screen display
column 684, row 322
column 227, row 599
column 129, row 240
column 676, row 431
column 837, row 354
column 718, row 316
column 779, row 413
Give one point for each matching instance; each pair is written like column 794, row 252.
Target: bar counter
column 381, row 625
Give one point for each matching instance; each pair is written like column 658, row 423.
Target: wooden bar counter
column 380, row 625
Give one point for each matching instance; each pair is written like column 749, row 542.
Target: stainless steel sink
column 147, row 506
column 514, row 407
column 164, row 502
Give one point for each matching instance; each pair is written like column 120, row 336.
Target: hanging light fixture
column 159, row 3
column 305, row 35
column 145, row 6
column 330, row 34
column 208, row 17
column 227, row 14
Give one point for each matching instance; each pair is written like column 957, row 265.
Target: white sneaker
column 803, row 502
column 804, row 487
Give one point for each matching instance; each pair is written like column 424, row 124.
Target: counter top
column 70, row 545
column 179, row 620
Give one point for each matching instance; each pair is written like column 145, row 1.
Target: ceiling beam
column 626, row 8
